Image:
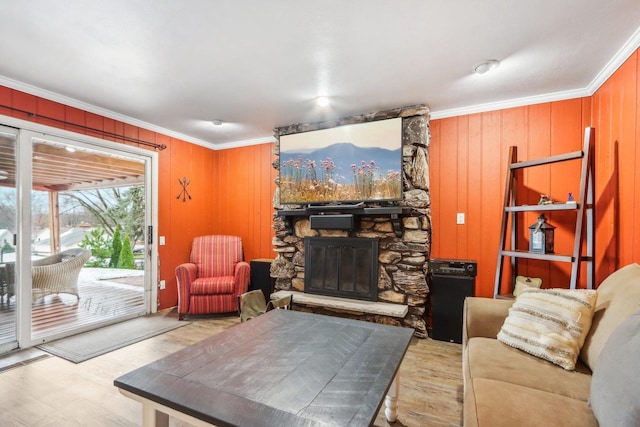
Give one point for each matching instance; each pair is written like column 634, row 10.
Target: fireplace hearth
column 341, row 267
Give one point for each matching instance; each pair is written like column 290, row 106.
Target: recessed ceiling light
column 322, row 101
column 217, row 122
column 486, row 66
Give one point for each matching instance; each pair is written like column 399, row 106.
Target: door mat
column 88, row 345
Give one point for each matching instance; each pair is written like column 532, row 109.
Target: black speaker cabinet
column 447, row 299
column 259, row 277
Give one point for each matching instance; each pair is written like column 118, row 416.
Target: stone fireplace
column 401, row 232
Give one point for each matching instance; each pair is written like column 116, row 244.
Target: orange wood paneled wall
column 245, row 185
column 231, row 194
column 468, row 171
column 468, row 158
column 616, row 117
column 179, row 222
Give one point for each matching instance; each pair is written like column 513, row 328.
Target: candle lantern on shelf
column 541, row 236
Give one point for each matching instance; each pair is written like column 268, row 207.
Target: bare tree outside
column 109, row 208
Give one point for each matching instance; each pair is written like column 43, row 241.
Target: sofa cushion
column 618, row 298
column 491, row 359
column 551, row 323
column 615, row 386
column 497, row 403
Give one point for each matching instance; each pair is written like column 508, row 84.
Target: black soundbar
column 331, row 222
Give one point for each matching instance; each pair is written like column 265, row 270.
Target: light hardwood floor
column 55, row 392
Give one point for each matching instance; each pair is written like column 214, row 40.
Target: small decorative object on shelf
column 541, row 236
column 570, row 198
column 545, row 199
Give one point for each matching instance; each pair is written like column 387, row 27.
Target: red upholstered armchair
column 214, row 277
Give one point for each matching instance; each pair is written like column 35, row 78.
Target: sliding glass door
column 8, row 139
column 88, row 223
column 76, row 218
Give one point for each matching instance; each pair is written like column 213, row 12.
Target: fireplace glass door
column 342, row 267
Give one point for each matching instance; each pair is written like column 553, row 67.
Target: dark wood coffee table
column 284, row 368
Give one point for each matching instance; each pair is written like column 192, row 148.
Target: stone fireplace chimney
column 404, row 240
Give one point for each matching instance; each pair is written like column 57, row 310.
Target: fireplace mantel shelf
column 393, row 212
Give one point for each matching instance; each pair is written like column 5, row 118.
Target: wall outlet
column 460, row 218
column 162, row 284
column 161, row 240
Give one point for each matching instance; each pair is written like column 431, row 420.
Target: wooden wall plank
column 435, row 170
column 635, row 213
column 492, row 180
column 448, row 189
column 475, row 221
column 606, row 182
column 625, row 148
column 462, row 193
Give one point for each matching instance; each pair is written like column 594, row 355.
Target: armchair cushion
column 212, row 285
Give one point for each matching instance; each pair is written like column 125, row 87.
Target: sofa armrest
column 483, row 317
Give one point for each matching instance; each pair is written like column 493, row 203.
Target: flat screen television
column 345, row 164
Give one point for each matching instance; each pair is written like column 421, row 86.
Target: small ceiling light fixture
column 3, row 175
column 322, row 101
column 70, row 149
column 217, row 122
column 486, row 66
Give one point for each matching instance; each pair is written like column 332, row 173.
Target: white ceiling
column 172, row 66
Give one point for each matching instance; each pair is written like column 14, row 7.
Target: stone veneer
column 403, row 261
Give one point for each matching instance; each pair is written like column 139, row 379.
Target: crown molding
column 616, row 62
column 245, row 143
column 611, row 67
column 71, row 102
column 510, row 103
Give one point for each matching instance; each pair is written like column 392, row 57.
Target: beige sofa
column 504, row 386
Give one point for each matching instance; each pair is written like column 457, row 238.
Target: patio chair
column 58, row 273
column 213, row 278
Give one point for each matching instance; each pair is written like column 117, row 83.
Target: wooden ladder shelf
column 583, row 208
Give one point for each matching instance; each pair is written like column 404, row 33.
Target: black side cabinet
column 259, row 277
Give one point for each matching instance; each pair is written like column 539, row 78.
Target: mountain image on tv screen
column 349, row 163
column 341, row 171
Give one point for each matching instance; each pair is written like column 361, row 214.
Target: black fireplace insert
column 342, row 267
